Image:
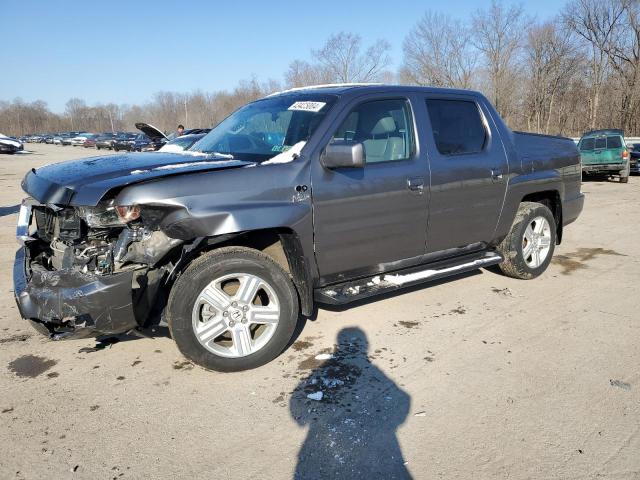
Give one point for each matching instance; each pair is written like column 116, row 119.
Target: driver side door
column 371, row 219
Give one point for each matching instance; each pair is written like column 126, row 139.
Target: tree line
column 577, row 71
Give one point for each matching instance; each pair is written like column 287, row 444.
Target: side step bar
column 346, row 292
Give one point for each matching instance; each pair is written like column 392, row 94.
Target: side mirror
column 343, row 154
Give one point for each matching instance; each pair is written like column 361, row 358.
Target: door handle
column 415, row 184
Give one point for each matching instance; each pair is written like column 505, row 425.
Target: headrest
column 384, row 125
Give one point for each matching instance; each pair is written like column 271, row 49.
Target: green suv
column 604, row 152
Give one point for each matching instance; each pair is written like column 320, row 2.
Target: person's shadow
column 352, row 411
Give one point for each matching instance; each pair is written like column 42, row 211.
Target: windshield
column 185, row 141
column 266, row 128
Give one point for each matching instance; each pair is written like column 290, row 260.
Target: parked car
column 90, row 141
column 410, row 185
column 634, row 158
column 61, row 137
column 66, row 140
column 150, row 140
column 105, row 141
column 181, row 143
column 604, row 152
column 124, row 141
column 79, row 139
column 10, row 145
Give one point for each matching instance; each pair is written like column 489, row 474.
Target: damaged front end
column 88, row 271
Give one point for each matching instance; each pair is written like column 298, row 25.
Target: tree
column 498, row 35
column 437, row 52
column 552, row 60
column 341, row 60
column 595, row 22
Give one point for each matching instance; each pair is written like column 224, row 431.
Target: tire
column 514, row 247
column 219, row 323
column 624, row 174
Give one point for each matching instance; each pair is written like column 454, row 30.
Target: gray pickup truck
column 319, row 195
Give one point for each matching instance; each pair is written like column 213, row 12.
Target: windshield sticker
column 307, row 106
column 280, row 148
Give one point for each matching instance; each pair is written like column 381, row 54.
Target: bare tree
column 301, row 73
column 438, row 52
column 595, row 21
column 497, row 34
column 552, row 60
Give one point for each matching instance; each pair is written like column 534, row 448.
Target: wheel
column 528, row 248
column 624, row 174
column 232, row 309
column 116, row 149
column 97, row 147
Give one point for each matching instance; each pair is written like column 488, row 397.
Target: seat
column 382, row 146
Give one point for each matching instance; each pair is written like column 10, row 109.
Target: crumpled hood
column 84, row 182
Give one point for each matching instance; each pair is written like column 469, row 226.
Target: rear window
column 614, row 142
column 601, row 143
column 457, row 126
column 587, row 144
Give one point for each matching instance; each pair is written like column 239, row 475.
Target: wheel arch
column 283, row 245
column 551, row 199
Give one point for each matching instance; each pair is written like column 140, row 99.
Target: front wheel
column 232, row 309
column 529, row 246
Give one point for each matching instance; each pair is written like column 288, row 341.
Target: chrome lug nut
column 225, row 313
column 234, row 304
column 245, row 308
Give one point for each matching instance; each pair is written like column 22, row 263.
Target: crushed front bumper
column 71, row 303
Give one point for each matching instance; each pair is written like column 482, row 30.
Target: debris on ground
column 620, row 384
column 317, row 396
column 505, row 292
column 324, row 356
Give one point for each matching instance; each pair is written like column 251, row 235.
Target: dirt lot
column 482, row 377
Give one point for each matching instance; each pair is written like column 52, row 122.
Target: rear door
column 371, row 219
column 614, row 150
column 469, row 172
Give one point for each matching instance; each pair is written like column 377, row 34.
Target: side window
column 457, row 126
column 383, row 127
column 614, row 142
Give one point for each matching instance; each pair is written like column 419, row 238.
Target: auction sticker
column 307, row 106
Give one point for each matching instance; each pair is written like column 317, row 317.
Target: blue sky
column 123, row 52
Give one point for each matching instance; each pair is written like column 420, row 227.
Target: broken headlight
column 108, row 215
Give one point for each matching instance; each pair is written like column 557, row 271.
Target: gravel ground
column 481, row 377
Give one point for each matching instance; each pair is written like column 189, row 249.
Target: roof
column 341, row 88
column 608, row 131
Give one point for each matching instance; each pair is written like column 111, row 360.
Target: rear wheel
column 624, row 174
column 529, row 246
column 232, row 309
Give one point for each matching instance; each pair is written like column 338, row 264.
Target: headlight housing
column 106, row 214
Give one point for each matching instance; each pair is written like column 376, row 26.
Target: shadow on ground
column 4, row 211
column 352, row 410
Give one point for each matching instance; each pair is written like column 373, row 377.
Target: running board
column 346, row 292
